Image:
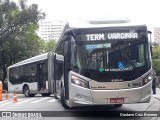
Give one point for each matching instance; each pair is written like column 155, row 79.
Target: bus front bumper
column 80, row 96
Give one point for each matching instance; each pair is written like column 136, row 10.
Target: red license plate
column 117, row 100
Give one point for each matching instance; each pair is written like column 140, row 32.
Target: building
column 50, row 29
column 157, row 34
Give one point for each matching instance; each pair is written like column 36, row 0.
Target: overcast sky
column 144, row 11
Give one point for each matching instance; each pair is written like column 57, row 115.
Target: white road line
column 52, row 100
column 9, row 102
column 6, row 103
column 3, row 101
column 25, row 101
column 40, row 100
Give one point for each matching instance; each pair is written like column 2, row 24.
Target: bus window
column 15, row 76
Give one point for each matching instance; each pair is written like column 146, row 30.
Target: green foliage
column 49, row 45
column 156, row 59
column 156, row 66
column 18, row 38
column 156, row 51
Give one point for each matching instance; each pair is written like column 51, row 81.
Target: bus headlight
column 147, row 79
column 80, row 82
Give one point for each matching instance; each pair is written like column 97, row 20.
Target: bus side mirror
column 151, row 50
column 66, row 54
column 150, row 41
column 65, row 48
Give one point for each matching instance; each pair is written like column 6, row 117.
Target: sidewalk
column 157, row 95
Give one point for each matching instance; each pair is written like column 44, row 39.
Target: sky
column 140, row 11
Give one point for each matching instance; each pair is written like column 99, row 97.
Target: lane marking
column 6, row 103
column 25, row 101
column 52, row 100
column 9, row 102
column 40, row 100
column 3, row 101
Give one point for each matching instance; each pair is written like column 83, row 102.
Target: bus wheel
column 118, row 105
column 32, row 95
column 63, row 99
column 26, row 91
column 45, row 94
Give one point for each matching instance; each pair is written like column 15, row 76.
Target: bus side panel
column 146, row 91
column 19, row 87
column 32, row 87
column 10, row 87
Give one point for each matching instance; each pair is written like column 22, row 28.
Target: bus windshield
column 117, row 57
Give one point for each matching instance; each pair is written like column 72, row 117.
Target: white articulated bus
column 104, row 64
column 91, row 65
column 32, row 76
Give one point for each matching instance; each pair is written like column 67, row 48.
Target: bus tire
column 118, row 105
column 26, row 91
column 63, row 99
column 45, row 94
column 32, row 95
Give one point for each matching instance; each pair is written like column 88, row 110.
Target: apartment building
column 50, row 29
column 157, row 34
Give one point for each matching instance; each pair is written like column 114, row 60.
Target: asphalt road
column 39, row 103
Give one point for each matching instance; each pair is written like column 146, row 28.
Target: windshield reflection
column 112, row 56
column 125, row 60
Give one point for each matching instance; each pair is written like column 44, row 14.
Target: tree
column 156, row 58
column 156, row 51
column 18, row 38
column 15, row 16
column 49, row 45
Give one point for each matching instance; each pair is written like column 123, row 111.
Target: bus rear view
column 107, row 65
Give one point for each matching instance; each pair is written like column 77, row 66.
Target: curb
column 156, row 97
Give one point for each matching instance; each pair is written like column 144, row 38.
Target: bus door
column 41, row 68
column 66, row 67
column 58, row 74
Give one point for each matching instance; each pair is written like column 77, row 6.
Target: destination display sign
column 103, row 36
column 112, row 36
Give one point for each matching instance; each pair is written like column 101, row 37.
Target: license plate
column 117, row 100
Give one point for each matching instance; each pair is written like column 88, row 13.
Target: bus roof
column 75, row 24
column 95, row 23
column 31, row 60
